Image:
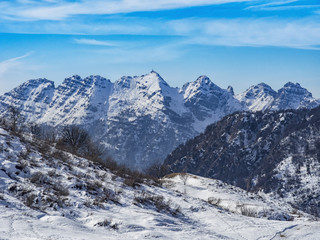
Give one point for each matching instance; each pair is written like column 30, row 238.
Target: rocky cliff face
column 140, row 120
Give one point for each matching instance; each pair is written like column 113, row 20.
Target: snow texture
column 31, row 207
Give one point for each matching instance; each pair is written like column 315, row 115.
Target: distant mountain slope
column 274, row 151
column 140, row 120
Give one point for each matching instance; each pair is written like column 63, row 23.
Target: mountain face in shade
column 274, row 152
column 139, row 120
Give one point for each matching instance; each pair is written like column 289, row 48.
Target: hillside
column 50, row 194
column 275, row 152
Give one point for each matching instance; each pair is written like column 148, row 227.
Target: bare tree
column 93, row 152
column 184, row 177
column 75, row 138
column 15, row 117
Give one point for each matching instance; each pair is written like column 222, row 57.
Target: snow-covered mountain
column 262, row 97
column 140, row 120
column 276, row 152
column 46, row 193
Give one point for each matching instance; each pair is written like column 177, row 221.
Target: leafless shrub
column 98, row 202
column 108, row 223
column 44, row 148
column 60, row 190
column 214, row 201
column 132, row 182
column 30, row 200
column 110, row 164
column 12, row 187
column 110, row 195
column 107, row 196
column 88, row 203
column 93, row 187
column 247, row 211
column 24, row 155
column 146, row 199
column 52, row 173
column 38, row 178
column 57, row 154
column 54, row 201
column 22, row 165
column 33, row 162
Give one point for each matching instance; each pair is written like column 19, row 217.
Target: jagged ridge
column 139, row 120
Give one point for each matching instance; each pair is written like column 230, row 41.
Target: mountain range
column 139, row 120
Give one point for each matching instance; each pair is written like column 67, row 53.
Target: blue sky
column 234, row 42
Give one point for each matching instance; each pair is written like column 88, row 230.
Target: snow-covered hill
column 277, row 152
column 140, row 120
column 49, row 194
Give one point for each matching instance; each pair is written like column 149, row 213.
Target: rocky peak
column 37, row 82
column 153, row 79
column 294, row 89
column 75, row 79
column 124, row 82
column 203, row 85
column 259, row 90
column 31, row 87
column 96, row 80
column 75, row 84
column 230, row 90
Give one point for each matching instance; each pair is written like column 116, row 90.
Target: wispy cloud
column 283, row 6
column 280, row 31
column 301, row 33
column 271, row 4
column 8, row 64
column 63, row 9
column 95, row 42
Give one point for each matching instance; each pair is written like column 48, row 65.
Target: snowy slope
column 258, row 98
column 78, row 101
column 46, row 194
column 139, row 120
column 277, row 152
column 32, row 98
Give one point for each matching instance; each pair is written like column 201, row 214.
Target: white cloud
column 62, row 10
column 8, row 64
column 95, row 42
column 271, row 4
column 301, row 33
